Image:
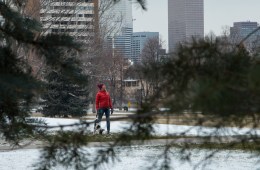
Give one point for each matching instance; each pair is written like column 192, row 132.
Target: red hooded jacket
column 103, row 100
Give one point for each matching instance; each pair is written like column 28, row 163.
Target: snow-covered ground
column 163, row 129
column 141, row 157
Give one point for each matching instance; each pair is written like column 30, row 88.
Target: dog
column 97, row 128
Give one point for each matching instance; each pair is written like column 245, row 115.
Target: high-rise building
column 120, row 38
column 73, row 17
column 185, row 20
column 139, row 39
column 121, row 42
column 241, row 29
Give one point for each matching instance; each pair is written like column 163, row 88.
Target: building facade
column 185, row 20
column 120, row 38
column 139, row 39
column 121, row 42
column 240, row 30
column 73, row 17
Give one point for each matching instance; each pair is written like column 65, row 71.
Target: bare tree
column 151, row 61
column 101, row 60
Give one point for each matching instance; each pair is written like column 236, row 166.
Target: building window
column 64, row 22
column 73, row 22
column 128, row 84
column 55, row 30
column 83, row 22
column 88, row 15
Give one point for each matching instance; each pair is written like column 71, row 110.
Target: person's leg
column 107, row 112
column 100, row 115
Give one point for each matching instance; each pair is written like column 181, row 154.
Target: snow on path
column 163, row 129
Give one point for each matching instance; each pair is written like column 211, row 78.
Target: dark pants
column 100, row 115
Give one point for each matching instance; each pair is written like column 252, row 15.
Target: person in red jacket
column 103, row 105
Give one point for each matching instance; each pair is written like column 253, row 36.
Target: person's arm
column 97, row 101
column 110, row 105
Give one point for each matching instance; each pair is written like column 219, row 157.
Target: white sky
column 217, row 15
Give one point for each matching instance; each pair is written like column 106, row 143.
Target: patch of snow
column 162, row 129
column 141, row 157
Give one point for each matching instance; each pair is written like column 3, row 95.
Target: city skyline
column 217, row 17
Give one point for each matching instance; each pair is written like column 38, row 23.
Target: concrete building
column 139, row 39
column 72, row 17
column 241, row 29
column 120, row 38
column 185, row 20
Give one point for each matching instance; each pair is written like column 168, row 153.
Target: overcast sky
column 217, row 15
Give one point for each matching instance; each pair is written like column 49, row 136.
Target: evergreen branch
column 41, row 44
column 24, row 30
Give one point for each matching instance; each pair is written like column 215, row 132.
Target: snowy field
column 163, row 129
column 142, row 157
